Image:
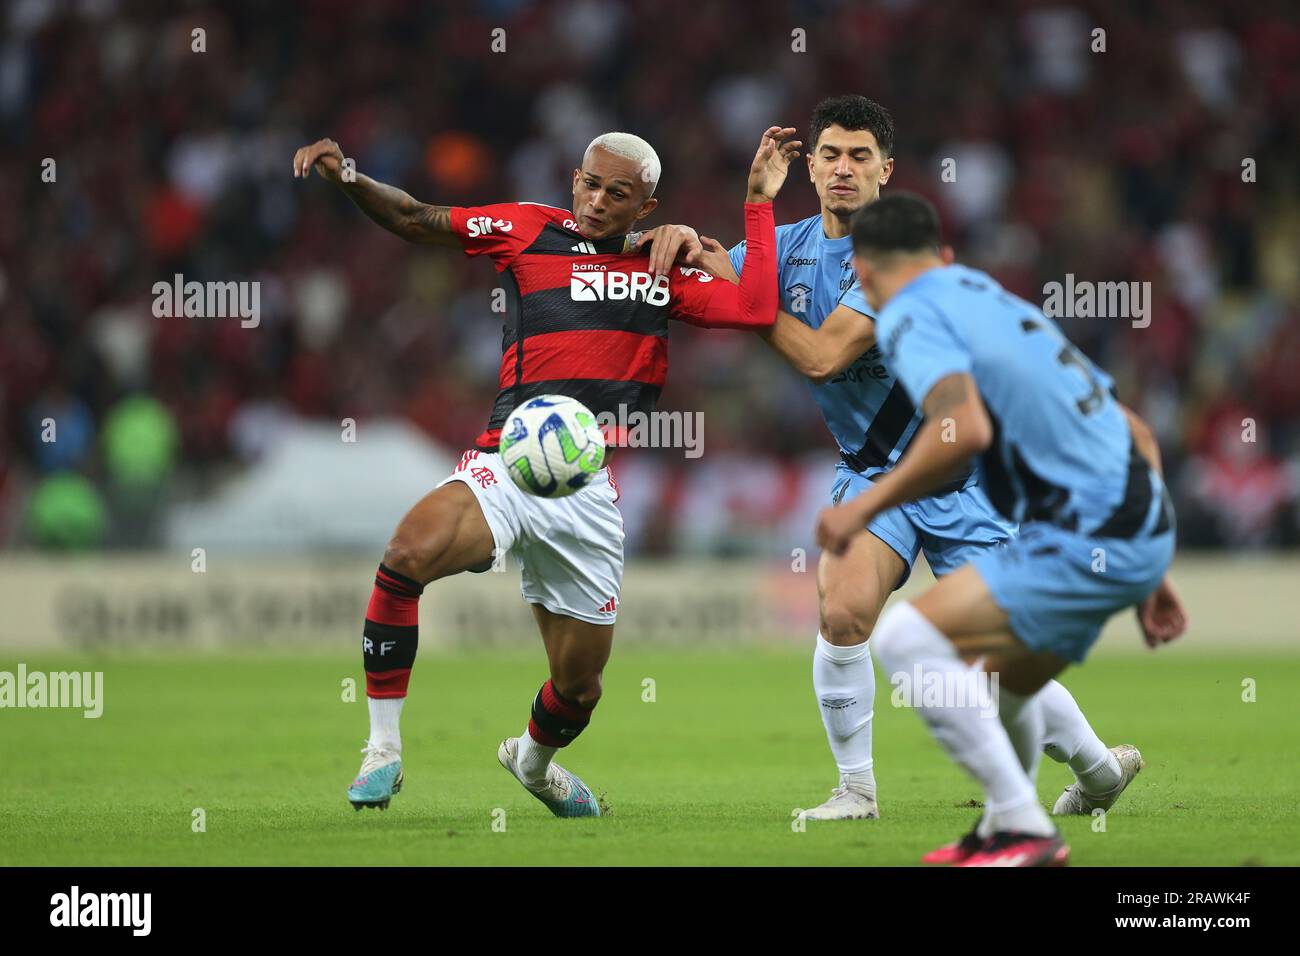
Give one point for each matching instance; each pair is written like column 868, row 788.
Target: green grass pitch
column 710, row 772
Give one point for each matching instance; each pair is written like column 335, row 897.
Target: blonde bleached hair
column 633, row 147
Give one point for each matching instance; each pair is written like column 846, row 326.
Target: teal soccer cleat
column 563, row 793
column 378, row 779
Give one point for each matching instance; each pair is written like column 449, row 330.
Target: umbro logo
column 799, row 294
column 586, row 248
column 838, row 703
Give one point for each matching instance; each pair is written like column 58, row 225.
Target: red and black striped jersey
column 588, row 320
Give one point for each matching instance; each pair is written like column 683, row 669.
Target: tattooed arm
column 956, row 427
column 393, row 209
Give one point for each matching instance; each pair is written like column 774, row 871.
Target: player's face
column 609, row 195
column 847, row 168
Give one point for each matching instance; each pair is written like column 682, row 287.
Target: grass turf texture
column 709, row 773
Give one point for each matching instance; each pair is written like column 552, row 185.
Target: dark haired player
column 996, row 379
column 585, row 319
column 825, row 332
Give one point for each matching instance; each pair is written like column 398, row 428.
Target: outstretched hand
column 324, row 156
column 670, row 243
column 772, row 162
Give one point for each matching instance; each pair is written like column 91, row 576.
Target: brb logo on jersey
column 595, row 283
column 482, row 225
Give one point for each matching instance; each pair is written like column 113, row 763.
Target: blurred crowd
column 1165, row 149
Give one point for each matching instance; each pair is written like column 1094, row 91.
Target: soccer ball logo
column 552, row 446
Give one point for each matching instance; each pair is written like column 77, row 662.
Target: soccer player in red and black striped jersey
column 587, row 318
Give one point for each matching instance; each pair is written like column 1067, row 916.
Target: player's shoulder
column 937, row 288
column 789, row 235
column 543, row 212
column 800, row 231
column 955, row 279
column 545, row 209
column 920, row 301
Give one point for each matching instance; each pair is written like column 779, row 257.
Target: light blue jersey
column 1097, row 525
column 866, row 409
column 869, row 413
column 1062, row 451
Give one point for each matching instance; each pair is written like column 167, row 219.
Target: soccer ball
column 552, row 446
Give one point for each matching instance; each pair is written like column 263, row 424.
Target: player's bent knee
column 584, row 692
column 416, row 557
column 847, row 622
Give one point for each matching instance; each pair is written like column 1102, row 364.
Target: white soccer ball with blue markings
column 552, row 446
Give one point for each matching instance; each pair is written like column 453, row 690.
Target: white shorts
column 570, row 550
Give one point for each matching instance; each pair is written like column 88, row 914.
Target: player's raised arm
column 700, row 299
column 392, row 208
column 820, row 353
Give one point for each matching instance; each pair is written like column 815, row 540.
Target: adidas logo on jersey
column 589, row 285
column 584, row 247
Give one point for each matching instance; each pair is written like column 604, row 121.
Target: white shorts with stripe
column 570, row 550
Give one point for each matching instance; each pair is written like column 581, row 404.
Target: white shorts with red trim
column 570, row 550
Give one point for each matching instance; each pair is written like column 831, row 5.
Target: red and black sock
column 556, row 720
column 391, row 634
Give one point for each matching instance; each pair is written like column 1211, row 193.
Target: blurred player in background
column 1059, row 455
column 825, row 331
column 609, row 352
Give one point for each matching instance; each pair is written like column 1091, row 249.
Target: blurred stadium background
column 199, row 445
column 1170, row 158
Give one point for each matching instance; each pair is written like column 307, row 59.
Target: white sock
column 1069, row 739
column 845, row 683
column 533, row 759
column 385, row 716
column 906, row 643
column 1022, row 719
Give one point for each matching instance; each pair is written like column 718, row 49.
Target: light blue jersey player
column 869, row 413
column 825, row 332
column 1057, row 453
